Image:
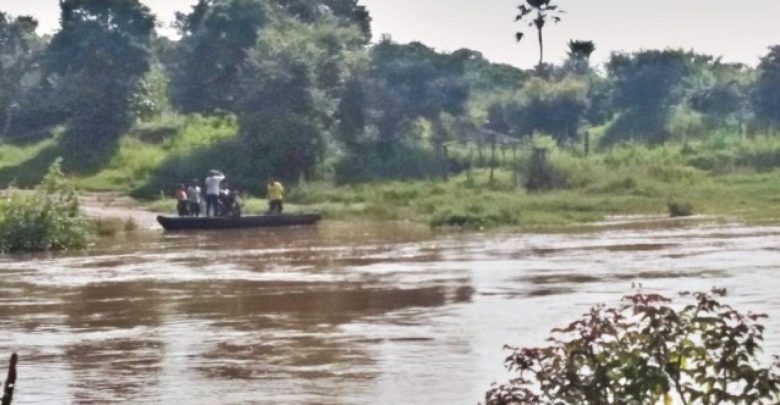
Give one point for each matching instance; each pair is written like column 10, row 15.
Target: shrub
column 645, row 351
column 47, row 219
column 680, row 209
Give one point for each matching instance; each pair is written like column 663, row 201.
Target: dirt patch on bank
column 115, row 205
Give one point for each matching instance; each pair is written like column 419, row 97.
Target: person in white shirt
column 212, row 191
column 193, row 198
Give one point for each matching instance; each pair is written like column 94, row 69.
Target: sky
column 737, row 30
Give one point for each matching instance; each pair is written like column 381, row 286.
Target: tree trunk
column 446, row 163
column 470, row 164
column 515, row 167
column 541, row 47
column 492, row 158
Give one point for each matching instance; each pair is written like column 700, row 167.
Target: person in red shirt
column 182, row 205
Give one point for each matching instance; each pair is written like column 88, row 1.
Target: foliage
column 47, row 219
column 96, row 61
column 351, row 115
column 19, row 49
column 409, row 162
column 412, row 81
column 216, row 36
column 645, row 351
column 348, row 11
column 767, row 97
column 647, row 86
column 150, row 99
column 556, row 108
column 292, row 84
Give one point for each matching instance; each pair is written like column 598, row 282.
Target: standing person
column 193, row 197
column 212, row 192
column 275, row 192
column 182, row 203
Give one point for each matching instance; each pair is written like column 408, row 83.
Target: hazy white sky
column 738, row 30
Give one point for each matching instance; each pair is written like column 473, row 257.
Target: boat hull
column 217, row 223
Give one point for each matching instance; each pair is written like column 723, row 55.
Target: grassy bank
column 726, row 175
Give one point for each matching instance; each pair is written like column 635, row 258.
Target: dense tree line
column 305, row 83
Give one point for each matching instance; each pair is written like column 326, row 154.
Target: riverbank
column 471, row 201
column 729, row 176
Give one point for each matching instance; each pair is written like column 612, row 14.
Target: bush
column 643, row 352
column 680, row 209
column 47, row 219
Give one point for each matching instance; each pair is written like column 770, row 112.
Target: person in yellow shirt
column 275, row 192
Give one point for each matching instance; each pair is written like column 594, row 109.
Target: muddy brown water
column 339, row 313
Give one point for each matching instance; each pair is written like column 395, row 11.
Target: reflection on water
column 341, row 313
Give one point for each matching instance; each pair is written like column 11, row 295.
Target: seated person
column 230, row 202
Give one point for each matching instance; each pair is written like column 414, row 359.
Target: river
column 342, row 313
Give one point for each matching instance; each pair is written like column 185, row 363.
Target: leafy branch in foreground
column 644, row 351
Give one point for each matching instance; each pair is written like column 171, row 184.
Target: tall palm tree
column 537, row 13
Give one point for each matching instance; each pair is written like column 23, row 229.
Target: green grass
column 25, row 166
column 151, row 146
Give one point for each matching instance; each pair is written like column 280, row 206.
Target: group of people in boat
column 220, row 198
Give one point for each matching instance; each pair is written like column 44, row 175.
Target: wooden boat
column 214, row 223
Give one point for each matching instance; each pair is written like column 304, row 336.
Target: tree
column 351, row 114
column 647, row 85
column 413, row 81
column 291, row 88
column 216, row 37
column 643, row 352
column 347, row 10
column 19, row 50
column 578, row 60
column 554, row 108
column 95, row 62
column 538, row 12
column 767, row 95
column 720, row 102
column 278, row 117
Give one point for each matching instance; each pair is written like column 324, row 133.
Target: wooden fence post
column 10, row 382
